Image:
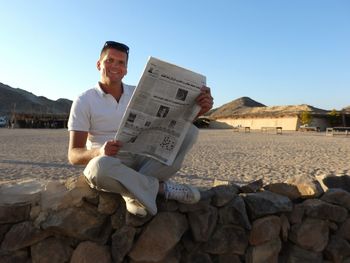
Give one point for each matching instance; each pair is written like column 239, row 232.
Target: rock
column 207, row 194
column 108, row 203
column 285, row 227
column 83, row 223
column 202, row 204
column 34, row 212
column 14, row 213
column 59, row 196
column 342, row 182
column 228, row 258
column 49, row 228
column 218, row 182
column 90, row 252
column 118, row 219
column 189, row 244
column 224, row 194
column 252, row 187
column 136, row 221
column 203, row 223
column 266, row 203
column 311, row 234
column 53, row 195
column 337, row 196
column 198, row 257
column 264, row 253
column 307, row 187
column 122, row 241
column 172, row 257
column 344, row 230
column 52, row 249
column 227, row 238
column 297, row 214
column 293, row 191
column 24, row 192
column 235, row 213
column 19, row 256
column 296, row 254
column 166, row 205
column 23, row 235
column 159, row 237
column 319, row 209
column 264, row 230
column 3, row 230
column 337, row 249
column 288, row 190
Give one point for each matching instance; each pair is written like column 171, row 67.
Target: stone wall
column 282, row 222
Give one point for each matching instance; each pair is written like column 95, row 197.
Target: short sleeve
column 79, row 117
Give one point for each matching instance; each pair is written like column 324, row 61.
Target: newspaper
column 160, row 111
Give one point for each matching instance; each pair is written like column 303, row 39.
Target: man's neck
column 114, row 89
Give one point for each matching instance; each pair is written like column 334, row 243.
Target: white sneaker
column 135, row 207
column 182, row 193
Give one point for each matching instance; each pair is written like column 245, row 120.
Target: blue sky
column 275, row 52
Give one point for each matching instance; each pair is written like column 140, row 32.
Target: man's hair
column 115, row 45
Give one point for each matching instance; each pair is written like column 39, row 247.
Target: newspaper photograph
column 161, row 110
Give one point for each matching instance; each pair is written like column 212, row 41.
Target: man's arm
column 78, row 154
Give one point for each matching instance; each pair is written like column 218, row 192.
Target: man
column 94, row 118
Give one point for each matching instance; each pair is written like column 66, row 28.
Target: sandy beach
column 27, row 154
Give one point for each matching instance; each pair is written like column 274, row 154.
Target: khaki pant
column 136, row 176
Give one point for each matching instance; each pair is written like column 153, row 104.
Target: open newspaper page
column 161, row 111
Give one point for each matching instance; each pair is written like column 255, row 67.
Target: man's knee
column 189, row 140
column 99, row 167
column 191, row 135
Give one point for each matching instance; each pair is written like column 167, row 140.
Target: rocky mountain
column 246, row 107
column 234, row 107
column 22, row 101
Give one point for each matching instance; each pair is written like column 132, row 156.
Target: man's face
column 112, row 66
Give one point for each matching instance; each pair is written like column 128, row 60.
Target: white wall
column 287, row 123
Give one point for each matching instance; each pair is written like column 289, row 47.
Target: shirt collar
column 99, row 91
column 127, row 90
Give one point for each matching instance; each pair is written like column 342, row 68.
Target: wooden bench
column 277, row 129
column 238, row 128
column 309, row 128
column 338, row 131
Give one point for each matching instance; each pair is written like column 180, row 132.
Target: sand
column 41, row 154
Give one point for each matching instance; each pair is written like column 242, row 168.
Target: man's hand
column 110, row 148
column 204, row 100
column 78, row 154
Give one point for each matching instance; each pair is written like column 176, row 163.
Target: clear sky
column 276, row 52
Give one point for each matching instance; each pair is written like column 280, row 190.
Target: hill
column 246, row 107
column 234, row 107
column 21, row 101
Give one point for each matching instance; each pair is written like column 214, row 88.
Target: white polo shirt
column 99, row 114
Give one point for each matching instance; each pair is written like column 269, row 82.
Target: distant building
column 26, row 120
column 287, row 117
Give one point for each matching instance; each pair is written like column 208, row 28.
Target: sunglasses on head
column 117, row 45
